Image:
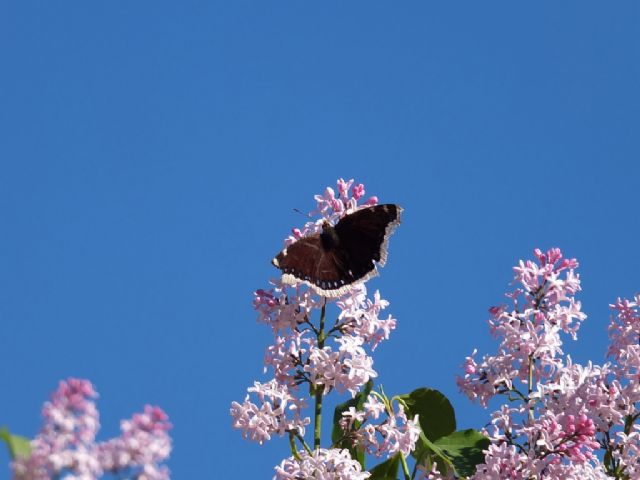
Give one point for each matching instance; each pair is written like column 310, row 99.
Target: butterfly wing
column 308, row 261
column 364, row 235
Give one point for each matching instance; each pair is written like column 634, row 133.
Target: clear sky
column 151, row 153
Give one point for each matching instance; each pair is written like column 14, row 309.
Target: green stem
column 292, row 444
column 530, row 386
column 304, row 444
column 319, row 389
column 405, row 467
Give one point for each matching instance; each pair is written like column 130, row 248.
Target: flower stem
column 292, row 444
column 319, row 389
column 530, row 389
column 405, row 467
column 304, row 444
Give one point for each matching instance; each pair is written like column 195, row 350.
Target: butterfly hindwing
column 300, row 259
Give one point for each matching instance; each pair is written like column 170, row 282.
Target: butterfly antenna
column 308, row 215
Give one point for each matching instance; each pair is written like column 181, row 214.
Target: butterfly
column 332, row 261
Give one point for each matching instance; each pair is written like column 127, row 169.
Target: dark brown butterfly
column 344, row 254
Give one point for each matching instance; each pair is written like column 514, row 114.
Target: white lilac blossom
column 66, row 446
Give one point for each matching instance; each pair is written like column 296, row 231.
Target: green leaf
column 464, row 448
column 437, row 418
column 337, row 434
column 387, row 470
column 426, row 452
column 18, row 446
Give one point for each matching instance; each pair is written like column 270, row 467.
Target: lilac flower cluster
column 276, row 402
column 567, row 420
column 66, row 445
column 543, row 307
column 321, row 464
column 395, row 434
column 327, row 356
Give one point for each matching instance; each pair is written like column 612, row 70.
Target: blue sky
column 151, row 154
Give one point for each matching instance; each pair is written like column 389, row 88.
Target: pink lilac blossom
column 66, row 444
column 568, row 413
column 284, row 308
column 321, row 464
column 507, row 462
column 332, row 207
column 286, row 356
column 360, row 316
column 346, row 369
column 396, row 433
column 142, row 446
column 294, row 354
column 279, row 412
column 624, row 333
column 624, row 350
column 543, row 307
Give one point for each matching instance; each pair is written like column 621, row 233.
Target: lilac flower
column 347, row 369
column 543, row 307
column 66, row 446
column 332, row 208
column 360, row 316
column 284, row 308
column 373, row 407
column 321, row 464
column 567, row 413
column 66, row 442
column 503, row 462
column 343, row 188
column 396, row 433
column 279, row 412
column 358, row 191
column 624, row 332
column 143, row 445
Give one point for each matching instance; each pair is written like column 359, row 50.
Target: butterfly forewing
column 363, row 234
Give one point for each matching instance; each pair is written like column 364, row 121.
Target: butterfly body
column 330, row 262
column 329, row 237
